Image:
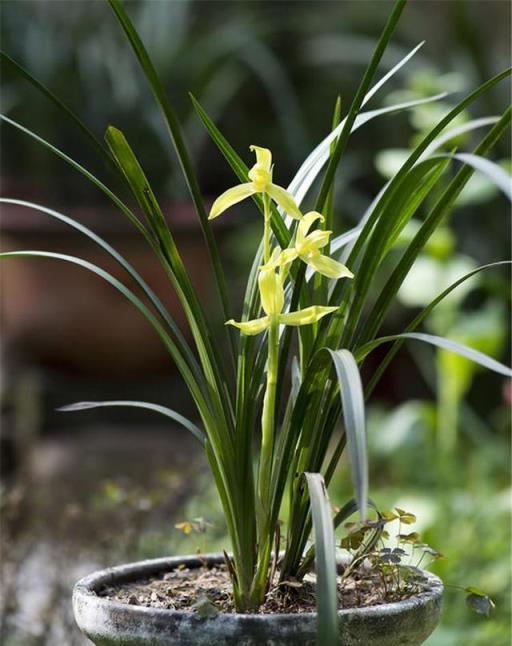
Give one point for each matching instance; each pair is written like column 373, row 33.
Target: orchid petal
column 328, row 267
column 317, row 239
column 285, row 257
column 284, row 200
column 250, row 328
column 263, row 157
column 306, row 316
column 306, row 223
column 230, row 197
column 271, row 291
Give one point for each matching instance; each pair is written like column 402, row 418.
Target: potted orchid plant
column 307, row 312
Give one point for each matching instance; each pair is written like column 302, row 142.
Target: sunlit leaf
column 325, row 561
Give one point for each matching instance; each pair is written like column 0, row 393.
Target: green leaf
column 163, row 410
column 179, row 338
column 67, row 112
column 352, row 399
column 194, row 388
column 174, row 129
column 314, row 162
column 412, row 537
column 325, row 562
column 415, row 186
column 432, row 221
column 342, row 240
column 356, row 104
column 387, row 195
column 172, row 261
column 81, row 169
column 421, row 317
column 341, row 515
column 241, row 171
column 440, row 342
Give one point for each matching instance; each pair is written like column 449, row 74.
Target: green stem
column 267, row 214
column 265, row 467
column 268, row 415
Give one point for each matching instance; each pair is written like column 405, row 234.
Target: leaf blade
column 444, row 343
column 180, row 148
column 325, row 560
column 352, row 400
column 156, row 408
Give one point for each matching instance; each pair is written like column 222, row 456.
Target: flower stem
column 265, row 466
column 260, row 582
column 268, row 414
column 267, row 228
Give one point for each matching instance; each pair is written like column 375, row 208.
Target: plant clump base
column 208, row 590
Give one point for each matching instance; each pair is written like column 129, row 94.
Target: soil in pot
column 207, row 590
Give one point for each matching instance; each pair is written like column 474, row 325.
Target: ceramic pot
column 110, row 623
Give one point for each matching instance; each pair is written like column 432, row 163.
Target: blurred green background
column 268, row 73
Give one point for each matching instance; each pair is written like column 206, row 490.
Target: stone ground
column 82, row 500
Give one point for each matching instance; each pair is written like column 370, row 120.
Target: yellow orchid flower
column 261, row 182
column 307, row 248
column 272, row 300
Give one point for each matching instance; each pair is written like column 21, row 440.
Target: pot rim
column 89, row 585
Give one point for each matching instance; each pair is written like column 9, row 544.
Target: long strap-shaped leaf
column 340, row 334
column 179, row 338
column 341, row 288
column 440, row 209
column 417, row 184
column 440, row 342
column 112, row 196
column 318, row 158
column 352, row 399
column 420, row 318
column 208, row 353
column 87, row 174
column 220, row 453
column 341, row 144
column 187, row 375
column 294, row 437
column 328, row 633
column 346, row 238
column 320, row 154
column 358, row 102
column 221, row 436
column 67, row 112
column 240, row 169
column 415, row 187
column 157, row 408
column 179, row 146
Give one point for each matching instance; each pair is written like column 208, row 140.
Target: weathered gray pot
column 110, row 623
